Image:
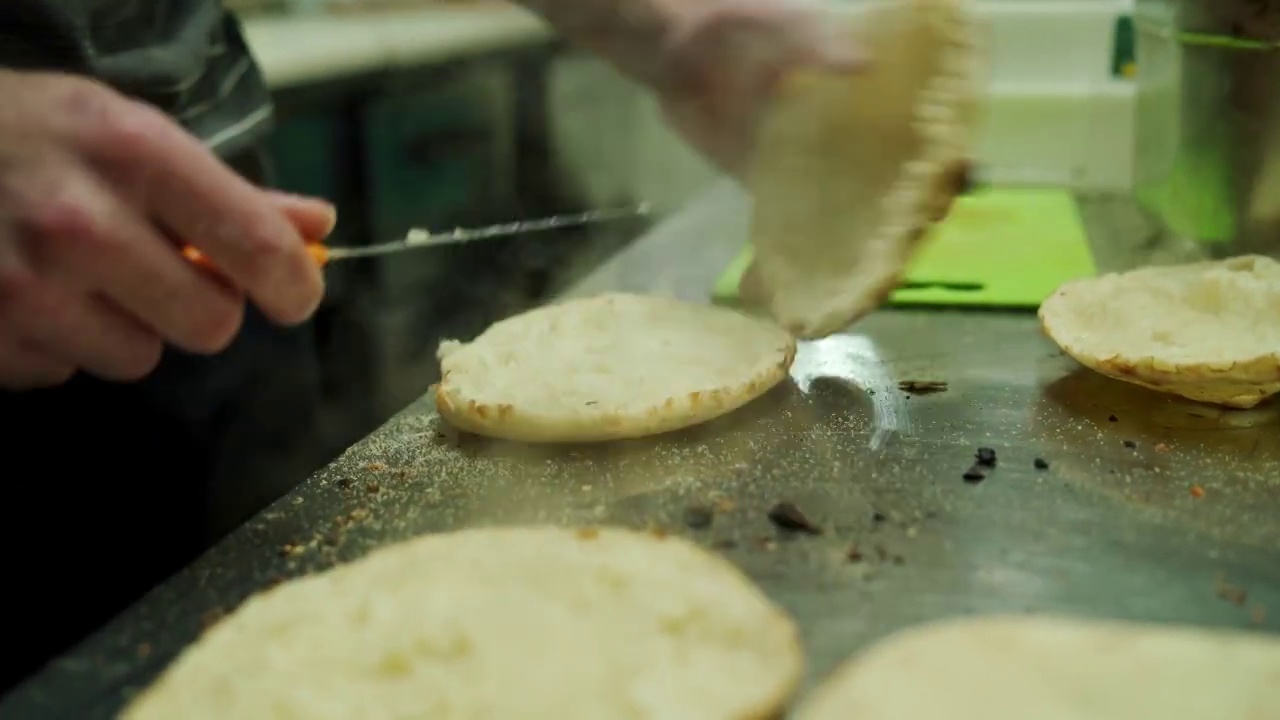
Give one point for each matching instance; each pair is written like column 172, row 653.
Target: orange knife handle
column 319, row 253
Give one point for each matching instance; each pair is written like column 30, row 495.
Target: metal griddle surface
column 1110, row 529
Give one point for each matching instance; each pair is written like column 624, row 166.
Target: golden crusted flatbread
column 1046, row 668
column 533, row 622
column 609, row 367
column 851, row 170
column 1208, row 331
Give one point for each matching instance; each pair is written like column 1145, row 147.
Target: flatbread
column 609, row 367
column 511, row 623
column 851, row 170
column 1208, row 331
column 1024, row 668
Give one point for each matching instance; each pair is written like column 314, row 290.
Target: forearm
column 629, row 33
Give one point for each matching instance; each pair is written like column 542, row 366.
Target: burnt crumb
column 1112, row 418
column 854, row 554
column 698, row 517
column 592, row 402
column 884, row 556
column 974, row 474
column 211, row 618
column 878, row 517
column 725, row 544
column 1041, row 464
column 1233, row 594
column 1130, row 444
column 986, row 456
column 787, row 516
column 922, row 387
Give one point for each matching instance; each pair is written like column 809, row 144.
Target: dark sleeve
column 186, row 57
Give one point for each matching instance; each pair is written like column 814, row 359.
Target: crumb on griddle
column 212, row 617
column 787, row 516
column 1112, row 418
column 878, row 517
column 1233, row 594
column 1197, row 491
column 698, row 517
column 922, row 387
column 853, row 554
column 1041, row 464
column 974, row 474
column 986, row 456
column 1130, row 444
column 881, row 554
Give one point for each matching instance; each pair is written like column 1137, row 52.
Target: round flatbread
column 1207, row 331
column 851, row 170
column 1017, row 668
column 609, row 367
column 497, row 623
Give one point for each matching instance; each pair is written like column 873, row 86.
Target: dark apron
column 110, row 488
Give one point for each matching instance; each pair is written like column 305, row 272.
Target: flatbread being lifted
column 851, row 170
column 1042, row 668
column 534, row 622
column 609, row 367
column 1208, row 331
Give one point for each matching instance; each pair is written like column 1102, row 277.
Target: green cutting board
column 1008, row 248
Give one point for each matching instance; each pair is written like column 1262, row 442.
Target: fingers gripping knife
column 418, row 238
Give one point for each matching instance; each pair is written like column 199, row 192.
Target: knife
column 419, row 238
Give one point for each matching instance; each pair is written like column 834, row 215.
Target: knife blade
column 419, row 238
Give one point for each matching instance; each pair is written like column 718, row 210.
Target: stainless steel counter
column 1149, row 508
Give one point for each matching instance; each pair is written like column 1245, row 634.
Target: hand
column 723, row 59
column 94, row 191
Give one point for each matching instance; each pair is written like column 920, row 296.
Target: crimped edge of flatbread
column 947, row 113
column 791, row 662
column 1241, row 383
column 834, row 695
column 507, row 422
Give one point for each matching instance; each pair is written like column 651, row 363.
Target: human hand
column 723, row 59
column 95, row 191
